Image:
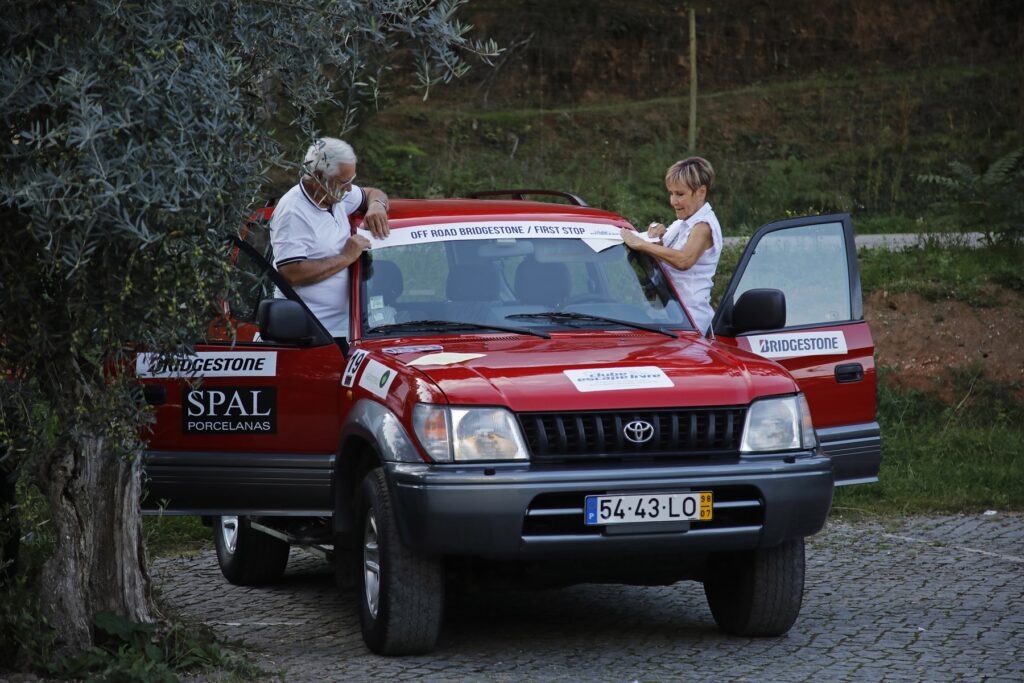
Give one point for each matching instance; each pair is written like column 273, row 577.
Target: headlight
column 430, row 423
column 468, row 434
column 778, row 424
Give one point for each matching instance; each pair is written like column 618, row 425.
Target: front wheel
column 400, row 592
column 757, row 593
column 248, row 557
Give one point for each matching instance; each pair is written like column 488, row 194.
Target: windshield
column 500, row 282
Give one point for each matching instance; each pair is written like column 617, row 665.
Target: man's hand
column 631, row 239
column 376, row 220
column 656, row 231
column 354, row 247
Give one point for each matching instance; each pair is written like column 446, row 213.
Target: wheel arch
column 372, row 435
column 358, row 455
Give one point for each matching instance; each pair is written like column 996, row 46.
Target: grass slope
column 837, row 142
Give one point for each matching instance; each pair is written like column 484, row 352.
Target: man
column 310, row 232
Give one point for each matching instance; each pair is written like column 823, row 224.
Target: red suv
column 521, row 392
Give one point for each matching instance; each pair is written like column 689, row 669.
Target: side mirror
column 287, row 322
column 759, row 309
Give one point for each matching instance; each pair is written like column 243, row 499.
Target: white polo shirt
column 300, row 230
column 694, row 285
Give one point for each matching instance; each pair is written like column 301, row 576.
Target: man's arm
column 697, row 243
column 312, row 271
column 375, row 211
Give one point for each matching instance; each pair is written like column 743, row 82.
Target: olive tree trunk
column 98, row 562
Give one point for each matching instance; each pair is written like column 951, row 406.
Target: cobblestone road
column 915, row 599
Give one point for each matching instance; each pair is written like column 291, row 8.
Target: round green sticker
column 384, row 378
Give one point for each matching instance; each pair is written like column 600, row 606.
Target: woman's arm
column 697, row 243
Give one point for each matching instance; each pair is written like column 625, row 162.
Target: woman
column 691, row 246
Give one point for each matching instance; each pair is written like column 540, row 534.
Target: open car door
column 248, row 424
column 825, row 343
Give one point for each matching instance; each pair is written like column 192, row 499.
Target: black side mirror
column 287, row 322
column 759, row 309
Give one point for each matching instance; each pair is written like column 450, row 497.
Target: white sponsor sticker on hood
column 423, row 348
column 209, row 364
column 444, row 358
column 615, row 379
column 798, row 344
column 377, row 378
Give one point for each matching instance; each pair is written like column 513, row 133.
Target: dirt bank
column 926, row 342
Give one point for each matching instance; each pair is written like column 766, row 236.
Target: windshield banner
column 597, row 236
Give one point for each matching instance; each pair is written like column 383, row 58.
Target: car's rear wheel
column 400, row 592
column 757, row 593
column 248, row 557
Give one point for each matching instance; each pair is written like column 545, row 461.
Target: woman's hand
column 656, row 231
column 631, row 239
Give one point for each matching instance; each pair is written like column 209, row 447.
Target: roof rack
column 520, row 194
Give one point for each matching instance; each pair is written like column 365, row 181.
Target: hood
column 600, row 371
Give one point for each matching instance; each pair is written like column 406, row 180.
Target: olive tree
column 136, row 135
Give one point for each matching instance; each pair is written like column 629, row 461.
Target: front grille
column 561, row 514
column 600, row 435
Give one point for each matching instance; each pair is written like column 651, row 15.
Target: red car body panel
column 525, row 374
column 832, row 403
column 309, row 403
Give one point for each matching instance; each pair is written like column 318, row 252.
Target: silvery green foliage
column 136, row 135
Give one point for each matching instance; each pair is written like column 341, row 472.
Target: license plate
column 647, row 508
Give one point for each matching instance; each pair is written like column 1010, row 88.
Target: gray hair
column 326, row 155
column 692, row 172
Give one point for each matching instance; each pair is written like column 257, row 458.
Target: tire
column 248, row 557
column 757, row 593
column 400, row 592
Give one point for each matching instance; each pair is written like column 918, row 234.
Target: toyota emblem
column 638, row 431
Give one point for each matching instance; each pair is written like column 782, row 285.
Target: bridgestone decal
column 799, row 344
column 209, row 364
column 229, row 410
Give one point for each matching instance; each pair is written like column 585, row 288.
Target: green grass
column 813, row 145
column 175, row 535
column 935, row 272
column 964, row 457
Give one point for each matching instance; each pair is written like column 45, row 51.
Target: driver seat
column 543, row 284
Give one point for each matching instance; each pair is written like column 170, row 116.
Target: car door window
column 251, row 281
column 811, row 267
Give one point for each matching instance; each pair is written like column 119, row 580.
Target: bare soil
column 925, row 343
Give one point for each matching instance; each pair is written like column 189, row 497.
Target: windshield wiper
column 440, row 325
column 564, row 316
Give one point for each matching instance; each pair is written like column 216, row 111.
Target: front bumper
column 529, row 512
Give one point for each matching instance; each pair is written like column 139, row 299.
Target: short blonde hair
column 692, row 172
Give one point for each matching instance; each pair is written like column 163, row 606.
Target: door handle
column 156, row 394
column 849, row 372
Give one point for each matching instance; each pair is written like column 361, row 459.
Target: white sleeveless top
column 694, row 285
